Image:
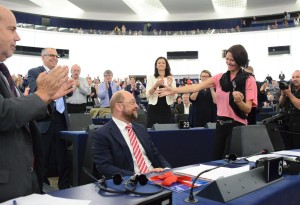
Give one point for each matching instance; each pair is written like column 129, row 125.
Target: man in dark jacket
column 20, row 141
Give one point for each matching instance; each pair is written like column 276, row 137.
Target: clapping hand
column 164, row 91
column 53, row 85
column 237, row 96
column 159, row 82
column 64, row 90
column 169, row 80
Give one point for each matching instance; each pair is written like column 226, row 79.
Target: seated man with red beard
column 124, row 147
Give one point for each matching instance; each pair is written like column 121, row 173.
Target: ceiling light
column 230, row 3
column 147, row 7
column 58, row 5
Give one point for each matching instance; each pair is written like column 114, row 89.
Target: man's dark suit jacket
column 93, row 90
column 43, row 124
column 20, row 143
column 111, row 154
column 136, row 92
column 180, row 108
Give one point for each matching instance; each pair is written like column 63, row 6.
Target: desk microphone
column 230, row 159
column 85, row 170
column 284, row 131
column 102, row 182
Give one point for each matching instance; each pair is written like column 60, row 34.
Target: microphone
column 142, row 179
column 191, row 198
column 230, row 159
column 134, row 179
column 85, row 170
column 273, row 118
column 284, row 131
column 102, row 181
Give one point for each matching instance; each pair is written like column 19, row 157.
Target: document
column 256, row 157
column 38, row 199
column 215, row 174
column 295, row 153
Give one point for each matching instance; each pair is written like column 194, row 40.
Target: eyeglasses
column 132, row 102
column 51, row 55
column 204, row 76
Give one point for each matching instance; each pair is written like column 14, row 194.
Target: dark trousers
column 76, row 108
column 52, row 142
column 223, row 139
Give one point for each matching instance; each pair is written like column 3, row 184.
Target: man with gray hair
column 77, row 101
column 105, row 91
column 50, row 127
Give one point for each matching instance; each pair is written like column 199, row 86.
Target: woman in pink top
column 236, row 93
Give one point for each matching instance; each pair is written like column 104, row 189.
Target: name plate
column 183, row 124
column 273, row 169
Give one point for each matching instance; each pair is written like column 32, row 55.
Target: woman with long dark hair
column 236, row 94
column 159, row 108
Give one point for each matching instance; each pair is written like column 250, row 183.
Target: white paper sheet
column 256, row 157
column 213, row 174
column 295, row 153
column 38, row 199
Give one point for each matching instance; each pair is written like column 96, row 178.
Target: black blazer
column 111, row 154
column 136, row 92
column 20, row 143
column 44, row 124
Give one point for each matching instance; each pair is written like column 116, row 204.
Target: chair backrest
column 142, row 119
column 79, row 121
column 141, row 111
column 88, row 161
column 179, row 117
column 249, row 140
column 108, row 116
column 275, row 137
column 165, row 126
column 210, row 125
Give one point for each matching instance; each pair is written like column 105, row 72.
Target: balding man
column 20, row 140
column 112, row 144
column 77, row 101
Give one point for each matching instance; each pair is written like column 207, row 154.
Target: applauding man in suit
column 121, row 146
column 135, row 89
column 20, row 141
column 51, row 126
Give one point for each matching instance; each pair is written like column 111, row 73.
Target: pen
column 14, row 202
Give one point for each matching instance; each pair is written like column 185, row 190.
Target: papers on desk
column 256, row 157
column 295, row 153
column 289, row 155
column 38, row 199
column 215, row 174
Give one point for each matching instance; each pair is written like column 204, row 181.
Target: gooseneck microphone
column 85, row 170
column 284, row 131
column 129, row 186
column 230, row 159
column 102, row 182
column 191, row 198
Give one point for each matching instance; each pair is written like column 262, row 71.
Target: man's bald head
column 8, row 33
column 117, row 97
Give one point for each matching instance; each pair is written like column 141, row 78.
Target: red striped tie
column 137, row 151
